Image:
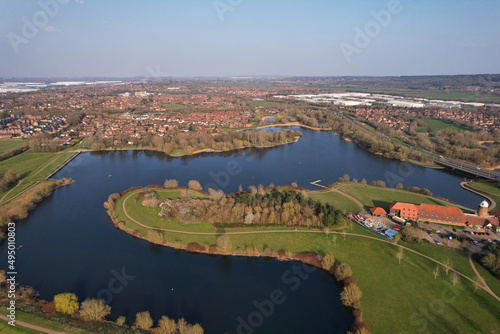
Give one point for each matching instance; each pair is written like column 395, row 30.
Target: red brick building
column 444, row 214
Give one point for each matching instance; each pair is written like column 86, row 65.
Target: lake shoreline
column 307, row 258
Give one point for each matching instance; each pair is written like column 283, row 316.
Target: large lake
column 70, row 245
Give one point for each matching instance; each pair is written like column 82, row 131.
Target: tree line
column 189, row 142
column 96, row 310
column 257, row 208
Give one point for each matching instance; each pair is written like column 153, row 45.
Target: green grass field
column 32, row 166
column 8, row 329
column 371, row 196
column 438, row 125
column 175, row 106
column 266, row 104
column 491, row 189
column 339, row 201
column 11, row 144
column 397, row 298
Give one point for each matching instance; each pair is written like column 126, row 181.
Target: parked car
column 437, row 242
column 475, row 242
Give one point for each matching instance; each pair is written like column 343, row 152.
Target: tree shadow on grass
column 382, row 204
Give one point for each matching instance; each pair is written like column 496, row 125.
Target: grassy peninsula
column 425, row 301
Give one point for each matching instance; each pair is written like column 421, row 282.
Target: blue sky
column 248, row 37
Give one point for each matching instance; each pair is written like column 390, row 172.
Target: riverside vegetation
column 322, row 247
column 191, row 142
column 257, row 208
column 64, row 312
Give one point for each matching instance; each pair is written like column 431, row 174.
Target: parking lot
column 440, row 234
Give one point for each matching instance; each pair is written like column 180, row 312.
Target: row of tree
column 189, row 142
column 275, row 207
column 18, row 208
column 44, row 142
column 96, row 310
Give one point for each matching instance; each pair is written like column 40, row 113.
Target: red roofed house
column 379, row 212
column 404, row 210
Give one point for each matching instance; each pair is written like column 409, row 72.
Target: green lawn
column 175, row 106
column 491, row 189
column 395, row 296
column 8, row 329
column 339, row 201
column 11, row 144
column 438, row 124
column 266, row 104
column 32, row 166
column 372, row 197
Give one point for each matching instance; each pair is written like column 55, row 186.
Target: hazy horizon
column 224, row 39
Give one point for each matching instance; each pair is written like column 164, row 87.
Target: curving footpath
column 465, row 185
column 484, row 287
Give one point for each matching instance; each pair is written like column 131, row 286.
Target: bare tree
column 478, row 283
column 94, row 310
column 351, row 295
column 195, row 185
column 171, row 183
column 166, row 326
column 143, row 320
column 334, row 239
column 400, row 254
column 181, row 326
column 155, row 237
column 342, row 271
column 328, row 262
column 224, row 243
column 447, row 265
column 455, row 279
column 436, row 271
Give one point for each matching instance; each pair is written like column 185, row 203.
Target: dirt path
column 33, row 183
column 487, row 289
column 7, row 194
column 485, row 286
column 30, row 326
column 358, row 203
column 20, row 193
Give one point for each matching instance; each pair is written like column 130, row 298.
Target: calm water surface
column 70, row 245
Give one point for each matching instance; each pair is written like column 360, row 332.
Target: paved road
column 452, row 163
